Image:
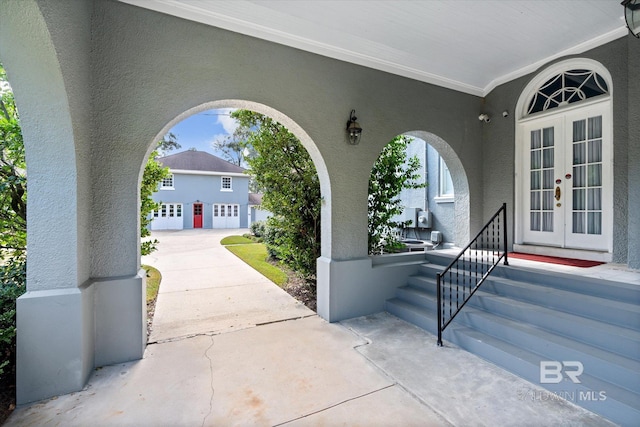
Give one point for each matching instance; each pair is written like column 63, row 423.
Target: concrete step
column 599, row 363
column 609, row 400
column 622, row 313
column 612, row 338
column 519, row 319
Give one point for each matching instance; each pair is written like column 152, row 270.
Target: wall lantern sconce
column 353, row 129
column 632, row 16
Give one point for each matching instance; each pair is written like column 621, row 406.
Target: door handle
column 558, row 193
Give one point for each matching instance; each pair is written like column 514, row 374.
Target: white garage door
column 169, row 217
column 226, row 216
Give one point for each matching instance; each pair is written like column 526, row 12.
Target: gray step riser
column 621, row 412
column 627, row 377
column 615, row 339
column 610, row 408
column 607, row 338
column 591, row 307
column 603, row 368
column 616, row 291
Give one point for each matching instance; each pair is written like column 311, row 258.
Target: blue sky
column 201, row 130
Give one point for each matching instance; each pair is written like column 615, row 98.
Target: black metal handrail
column 457, row 284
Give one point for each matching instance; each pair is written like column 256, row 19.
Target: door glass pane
column 578, row 200
column 535, row 180
column 535, row 221
column 595, row 127
column 221, row 210
column 178, row 211
column 595, row 199
column 536, row 140
column 547, row 179
column 579, row 176
column 215, row 210
column 578, row 223
column 170, row 211
column 594, row 223
column 547, row 137
column 547, row 200
column 547, row 158
column 547, row 221
column 536, row 159
column 535, row 200
column 595, row 151
column 579, row 130
column 595, row 175
column 579, row 153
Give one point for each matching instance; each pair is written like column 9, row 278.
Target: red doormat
column 555, row 260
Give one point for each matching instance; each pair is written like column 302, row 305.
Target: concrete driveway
column 230, row 348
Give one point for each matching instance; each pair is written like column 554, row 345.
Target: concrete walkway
column 229, row 348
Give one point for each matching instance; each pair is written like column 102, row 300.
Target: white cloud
column 228, row 123
column 215, row 138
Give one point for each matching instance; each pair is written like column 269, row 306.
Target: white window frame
column 444, row 176
column 222, row 183
column 164, row 184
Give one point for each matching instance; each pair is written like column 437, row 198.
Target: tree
column 153, row 173
column 233, row 147
column 284, row 171
column 13, row 226
column 392, row 173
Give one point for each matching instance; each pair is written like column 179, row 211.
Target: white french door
column 567, row 180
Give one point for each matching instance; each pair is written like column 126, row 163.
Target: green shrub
column 12, row 285
column 257, row 228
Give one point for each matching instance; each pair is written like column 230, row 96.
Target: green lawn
column 153, row 282
column 255, row 254
column 235, row 240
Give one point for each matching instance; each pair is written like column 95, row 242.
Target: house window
column 167, row 183
column 566, row 88
column 226, row 183
column 445, row 184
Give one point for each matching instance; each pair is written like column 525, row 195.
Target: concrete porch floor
column 228, row 347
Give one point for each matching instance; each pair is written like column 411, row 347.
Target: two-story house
column 202, row 191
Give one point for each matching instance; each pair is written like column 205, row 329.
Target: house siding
column 188, row 189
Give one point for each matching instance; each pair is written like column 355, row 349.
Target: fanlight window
column 566, row 88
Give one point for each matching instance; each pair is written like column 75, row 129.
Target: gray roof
column 255, row 199
column 199, row 161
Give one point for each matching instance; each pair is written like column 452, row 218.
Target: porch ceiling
column 467, row 45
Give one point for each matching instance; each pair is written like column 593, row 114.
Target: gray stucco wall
column 135, row 48
column 499, row 137
column 633, row 160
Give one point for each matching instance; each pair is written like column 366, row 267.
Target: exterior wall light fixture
column 632, row 16
column 353, row 129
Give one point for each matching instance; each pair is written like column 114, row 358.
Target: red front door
column 197, row 215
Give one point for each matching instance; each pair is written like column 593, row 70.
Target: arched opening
column 451, row 213
column 217, row 196
column 414, row 183
column 564, row 162
column 287, row 122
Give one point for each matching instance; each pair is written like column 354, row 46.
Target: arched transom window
column 566, row 88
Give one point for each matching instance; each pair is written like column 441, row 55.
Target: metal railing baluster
column 484, row 245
